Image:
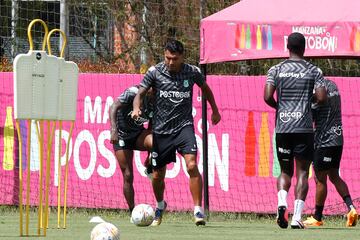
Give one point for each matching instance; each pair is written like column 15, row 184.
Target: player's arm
column 269, row 99
column 112, row 116
column 199, row 79
column 320, row 90
column 145, row 85
column 270, row 87
column 215, row 116
column 137, row 102
column 320, row 95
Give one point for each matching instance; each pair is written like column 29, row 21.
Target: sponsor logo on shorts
column 194, row 148
column 287, row 116
column 327, row 159
column 121, row 143
column 154, row 155
column 286, row 151
column 153, row 162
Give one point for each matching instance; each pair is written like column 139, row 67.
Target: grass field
column 177, row 226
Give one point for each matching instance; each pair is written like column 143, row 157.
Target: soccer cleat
column 199, row 219
column 352, row 218
column 295, row 224
column 158, row 216
column 282, row 217
column 312, row 222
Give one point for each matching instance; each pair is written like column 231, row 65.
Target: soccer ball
column 142, row 215
column 105, row 231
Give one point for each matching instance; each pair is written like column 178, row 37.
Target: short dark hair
column 174, row 46
column 296, row 43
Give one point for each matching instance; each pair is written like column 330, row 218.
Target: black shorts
column 166, row 145
column 326, row 158
column 127, row 143
column 290, row 145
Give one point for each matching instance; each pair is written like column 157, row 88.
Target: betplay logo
column 291, row 74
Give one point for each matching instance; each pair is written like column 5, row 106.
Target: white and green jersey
column 327, row 117
column 295, row 81
column 173, row 96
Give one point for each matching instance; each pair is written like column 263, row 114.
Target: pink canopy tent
column 258, row 29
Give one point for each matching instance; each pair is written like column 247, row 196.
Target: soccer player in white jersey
column 128, row 135
column 294, row 81
column 173, row 127
column 328, row 150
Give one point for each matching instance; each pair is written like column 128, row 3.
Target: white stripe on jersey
column 134, row 90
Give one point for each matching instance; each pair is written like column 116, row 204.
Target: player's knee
column 321, row 177
column 158, row 176
column 321, row 180
column 192, row 168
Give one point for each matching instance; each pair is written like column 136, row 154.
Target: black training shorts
column 326, row 158
column 290, row 145
column 166, row 145
column 128, row 143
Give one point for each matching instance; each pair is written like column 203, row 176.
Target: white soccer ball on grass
column 105, row 231
column 142, row 215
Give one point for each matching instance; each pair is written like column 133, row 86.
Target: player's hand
column 135, row 114
column 113, row 136
column 215, row 118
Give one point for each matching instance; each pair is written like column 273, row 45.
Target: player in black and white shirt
column 294, row 81
column 329, row 142
column 128, row 134
column 173, row 128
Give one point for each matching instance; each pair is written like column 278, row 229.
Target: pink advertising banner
column 256, row 29
column 242, row 165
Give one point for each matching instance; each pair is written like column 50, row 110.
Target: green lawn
column 177, row 226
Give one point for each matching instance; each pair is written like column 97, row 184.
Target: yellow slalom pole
column 41, row 140
column 20, row 178
column 59, row 175
column 67, row 170
column 39, row 132
column 28, row 175
column 60, row 122
column 47, row 180
column 64, row 41
column 30, row 37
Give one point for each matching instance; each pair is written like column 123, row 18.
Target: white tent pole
column 64, row 23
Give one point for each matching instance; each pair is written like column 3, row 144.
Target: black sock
column 318, row 212
column 348, row 202
column 131, row 209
